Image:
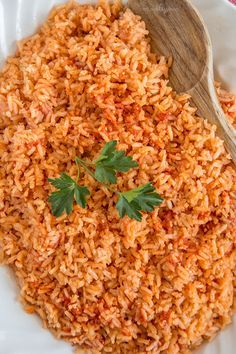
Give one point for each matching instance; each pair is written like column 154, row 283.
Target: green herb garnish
column 139, row 199
column 69, row 191
column 111, row 161
column 104, row 170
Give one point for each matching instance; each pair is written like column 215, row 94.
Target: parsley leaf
column 64, row 181
column 105, row 174
column 69, row 190
column 111, row 161
column 138, row 199
column 124, row 207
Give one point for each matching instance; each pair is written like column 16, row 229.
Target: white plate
column 21, row 333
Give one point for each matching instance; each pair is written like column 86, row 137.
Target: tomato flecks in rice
column 163, row 116
column 165, row 315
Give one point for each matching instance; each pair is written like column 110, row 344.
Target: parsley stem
column 78, row 161
column 110, row 189
column 78, row 175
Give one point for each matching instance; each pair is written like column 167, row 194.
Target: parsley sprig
column 104, row 169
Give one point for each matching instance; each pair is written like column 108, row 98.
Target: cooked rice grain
column 104, row 284
column 228, row 103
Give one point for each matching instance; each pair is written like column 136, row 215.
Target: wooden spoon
column 177, row 29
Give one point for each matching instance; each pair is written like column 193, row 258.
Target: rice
column 228, row 103
column 110, row 285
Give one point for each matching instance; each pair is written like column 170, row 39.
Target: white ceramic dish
column 21, row 333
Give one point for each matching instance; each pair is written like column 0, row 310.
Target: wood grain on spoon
column 177, row 29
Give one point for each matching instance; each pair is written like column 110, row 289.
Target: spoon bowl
column 177, row 29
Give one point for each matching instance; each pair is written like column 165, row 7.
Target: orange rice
column 105, row 284
column 228, row 103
